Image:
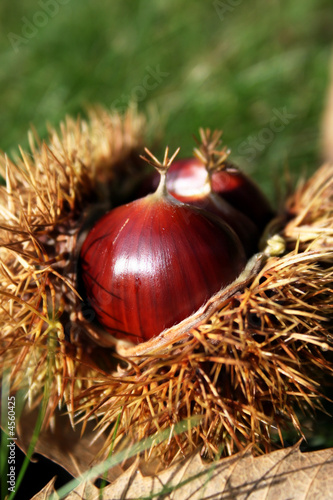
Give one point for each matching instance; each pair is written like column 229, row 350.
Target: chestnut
column 188, row 180
column 245, row 229
column 151, row 263
column 229, row 182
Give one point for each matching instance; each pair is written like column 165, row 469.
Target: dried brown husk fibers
column 244, row 366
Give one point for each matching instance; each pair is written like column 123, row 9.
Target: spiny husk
column 241, row 365
column 247, row 362
column 42, row 209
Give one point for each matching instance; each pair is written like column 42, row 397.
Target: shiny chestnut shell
column 228, row 182
column 187, row 179
column 151, row 263
column 243, row 226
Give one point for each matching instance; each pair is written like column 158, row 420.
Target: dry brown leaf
column 82, row 492
column 46, row 492
column 282, row 474
column 67, row 447
column 286, row 473
column 86, row 491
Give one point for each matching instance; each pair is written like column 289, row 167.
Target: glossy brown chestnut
column 187, row 176
column 245, row 229
column 151, row 263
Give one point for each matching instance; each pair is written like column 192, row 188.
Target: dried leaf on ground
column 46, row 492
column 273, row 476
column 63, row 445
column 286, row 473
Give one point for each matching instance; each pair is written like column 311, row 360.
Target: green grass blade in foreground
column 31, row 448
column 4, row 424
column 209, row 473
column 52, row 339
column 104, row 479
column 116, row 459
column 4, row 450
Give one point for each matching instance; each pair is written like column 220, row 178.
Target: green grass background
column 225, row 64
